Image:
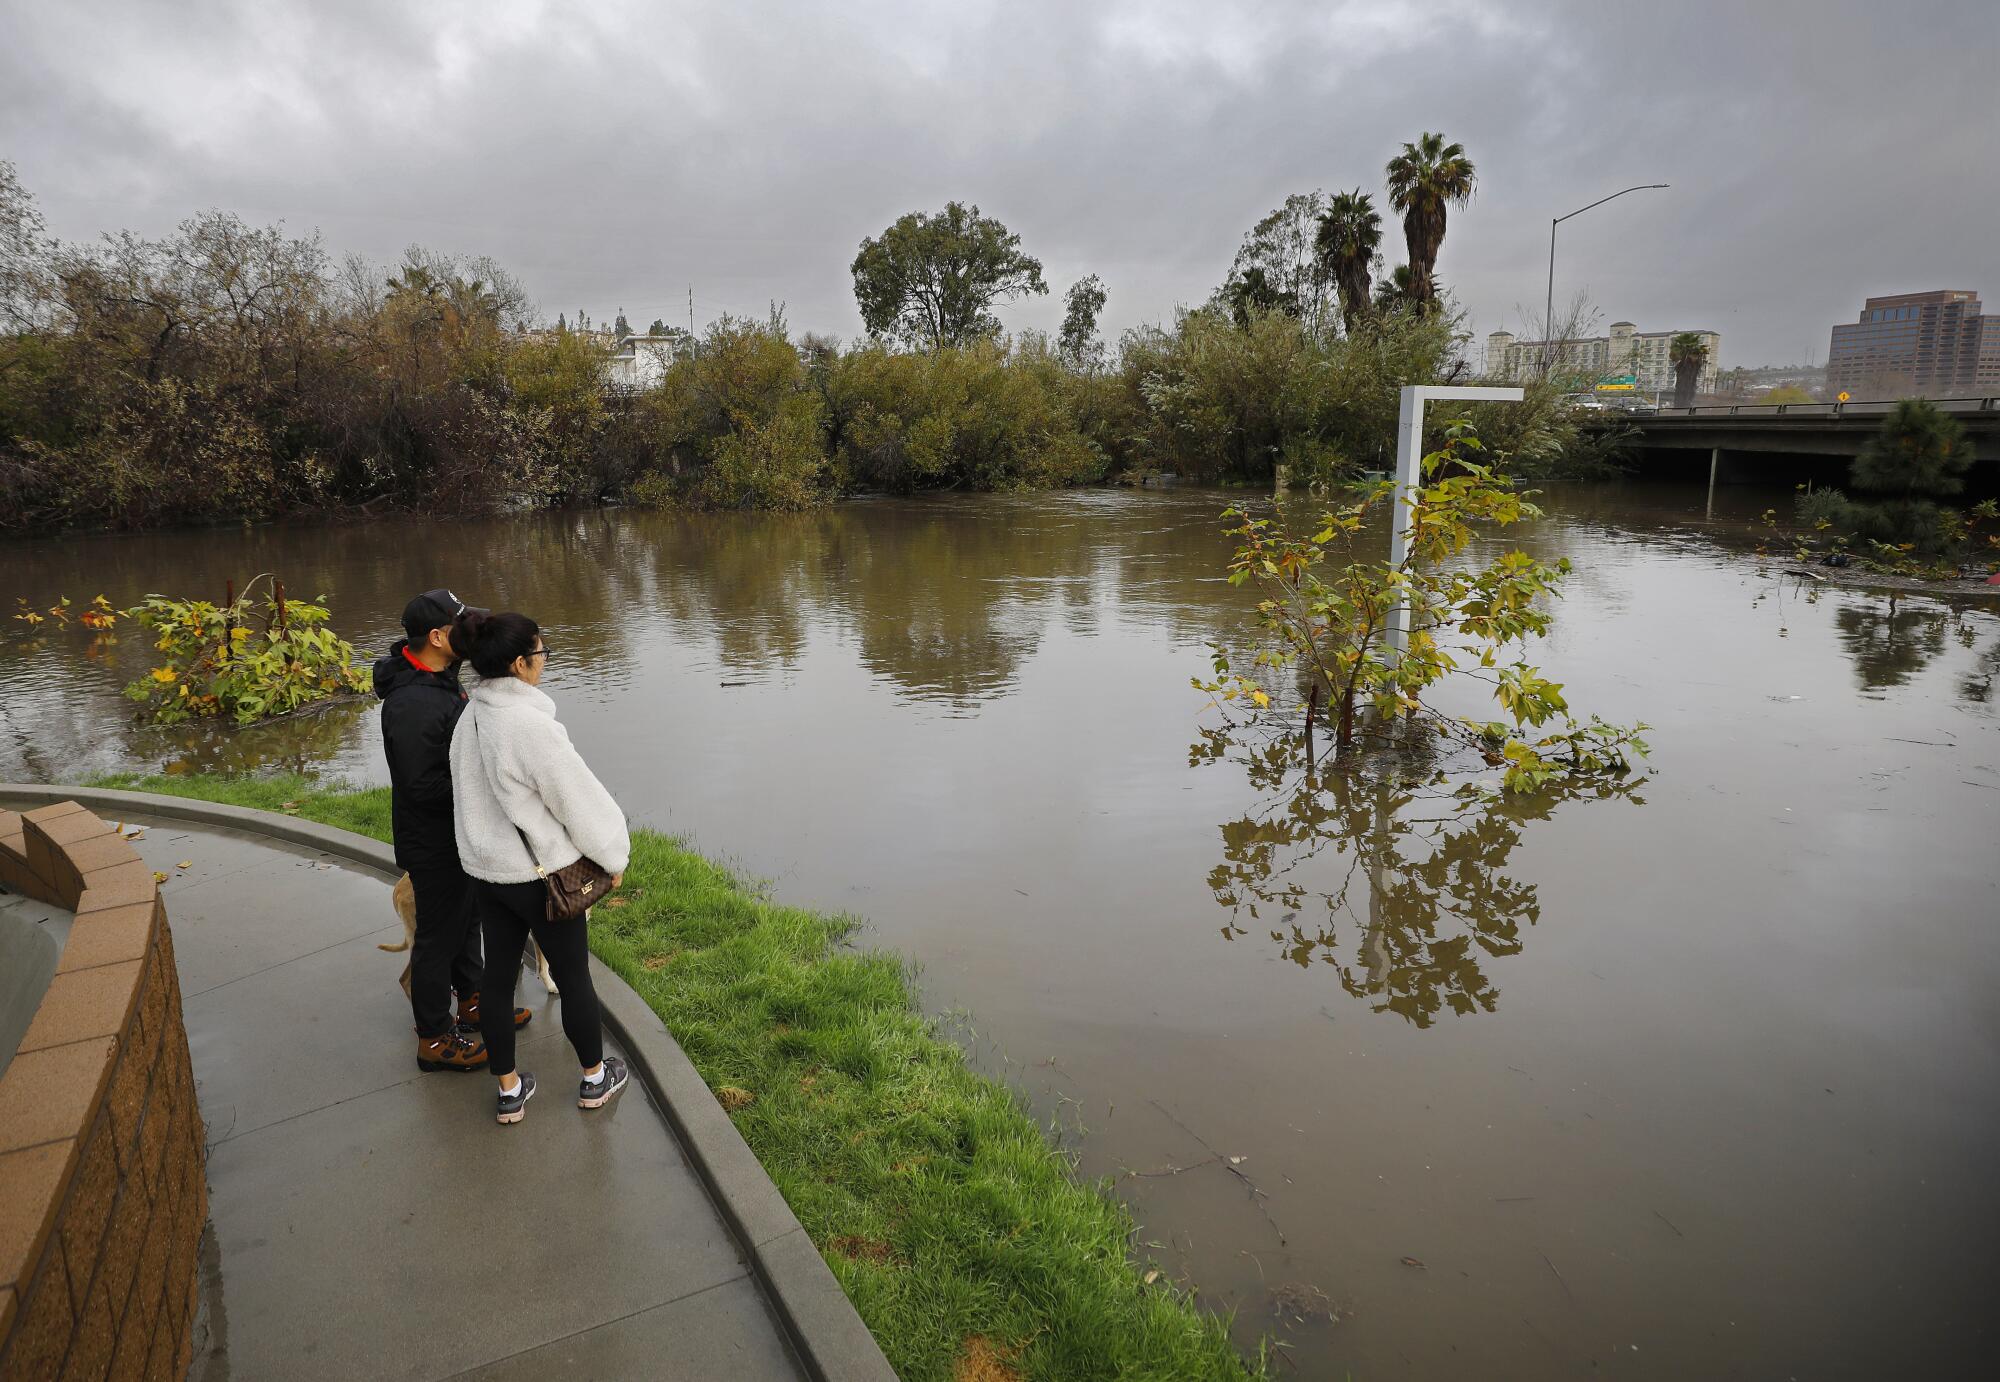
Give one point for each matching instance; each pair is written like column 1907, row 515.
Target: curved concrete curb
column 820, row 1322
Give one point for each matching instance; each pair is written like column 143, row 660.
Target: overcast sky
column 612, row 153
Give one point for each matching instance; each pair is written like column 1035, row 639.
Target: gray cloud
column 611, row 156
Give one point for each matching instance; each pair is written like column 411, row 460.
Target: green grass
column 934, row 1196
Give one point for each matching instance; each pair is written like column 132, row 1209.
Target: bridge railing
column 1869, row 408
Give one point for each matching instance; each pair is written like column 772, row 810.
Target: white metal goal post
column 1409, row 474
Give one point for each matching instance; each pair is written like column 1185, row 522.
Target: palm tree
column 1687, row 353
column 1394, row 291
column 1253, row 292
column 1424, row 179
column 1350, row 234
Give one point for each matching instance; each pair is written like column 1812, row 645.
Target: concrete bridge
column 1740, row 443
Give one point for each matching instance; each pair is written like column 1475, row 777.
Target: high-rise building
column 1627, row 350
column 1936, row 344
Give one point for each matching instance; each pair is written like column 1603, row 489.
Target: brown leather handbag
column 573, row 888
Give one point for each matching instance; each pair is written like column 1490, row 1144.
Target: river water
column 1697, row 1078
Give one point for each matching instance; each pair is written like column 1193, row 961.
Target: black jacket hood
column 394, row 672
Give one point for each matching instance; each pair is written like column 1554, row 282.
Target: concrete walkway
column 372, row 1221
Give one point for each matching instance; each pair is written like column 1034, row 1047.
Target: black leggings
column 508, row 913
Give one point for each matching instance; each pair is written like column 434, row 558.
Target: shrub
column 247, row 662
column 1823, row 509
column 985, row 416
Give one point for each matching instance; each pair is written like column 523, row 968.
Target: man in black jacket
column 421, row 700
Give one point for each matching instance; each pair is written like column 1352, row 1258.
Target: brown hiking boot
column 452, row 1051
column 468, row 1013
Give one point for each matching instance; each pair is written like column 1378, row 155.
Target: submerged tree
column 1424, row 180
column 1078, row 341
column 1350, row 238
column 932, row 280
column 1919, row 457
column 1331, row 617
column 1687, row 353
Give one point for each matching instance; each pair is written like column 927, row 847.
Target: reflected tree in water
column 1891, row 644
column 1393, row 874
column 945, row 601
column 1893, row 640
column 302, row 742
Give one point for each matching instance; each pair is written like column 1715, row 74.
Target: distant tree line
column 227, row 372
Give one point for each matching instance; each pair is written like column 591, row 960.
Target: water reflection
column 1891, row 641
column 301, row 742
column 953, row 607
column 1392, row 873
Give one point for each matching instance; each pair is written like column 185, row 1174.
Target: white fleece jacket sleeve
column 575, row 797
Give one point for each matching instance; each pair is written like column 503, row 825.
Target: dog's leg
column 533, row 958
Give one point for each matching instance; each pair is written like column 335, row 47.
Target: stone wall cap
column 118, row 886
column 84, row 1004
column 108, row 936
column 35, row 1177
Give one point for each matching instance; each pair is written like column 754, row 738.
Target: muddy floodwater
column 1697, row 1078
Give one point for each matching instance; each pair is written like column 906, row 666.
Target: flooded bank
column 1691, row 1078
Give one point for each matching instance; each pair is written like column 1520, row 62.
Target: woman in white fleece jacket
column 524, row 803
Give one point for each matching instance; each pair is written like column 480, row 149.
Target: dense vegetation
column 953, row 1225
column 228, row 372
column 1895, row 511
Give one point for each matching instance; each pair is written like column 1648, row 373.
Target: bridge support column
column 1714, row 465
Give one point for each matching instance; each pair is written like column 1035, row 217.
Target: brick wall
column 102, row 1191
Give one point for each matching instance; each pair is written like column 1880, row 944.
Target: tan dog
column 405, row 899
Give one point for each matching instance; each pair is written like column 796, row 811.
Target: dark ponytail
column 491, row 642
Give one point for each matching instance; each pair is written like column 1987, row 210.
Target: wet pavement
column 372, row 1221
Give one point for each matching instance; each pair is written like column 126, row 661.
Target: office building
column 1933, row 345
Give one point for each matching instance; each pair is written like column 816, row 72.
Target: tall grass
column 959, row 1232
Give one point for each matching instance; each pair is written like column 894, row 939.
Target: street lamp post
column 1549, row 310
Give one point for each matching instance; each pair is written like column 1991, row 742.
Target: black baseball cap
column 434, row 609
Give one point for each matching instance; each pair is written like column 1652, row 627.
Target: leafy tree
column 740, row 423
column 23, row 253
column 658, row 328
column 1326, row 611
column 621, row 328
column 1279, row 266
column 1784, row 393
column 1078, row 342
column 1252, row 293
column 1425, row 179
column 1687, row 353
column 932, row 280
column 1350, row 238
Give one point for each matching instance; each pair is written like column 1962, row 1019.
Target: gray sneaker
column 514, row 1106
column 597, row 1095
